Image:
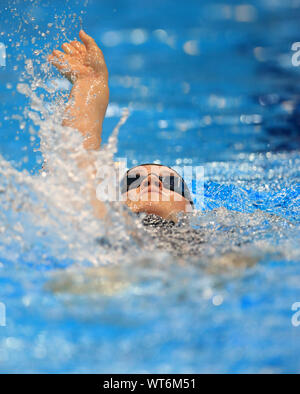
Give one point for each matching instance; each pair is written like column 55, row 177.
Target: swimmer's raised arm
column 84, row 66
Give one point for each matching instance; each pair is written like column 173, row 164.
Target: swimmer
column 150, row 188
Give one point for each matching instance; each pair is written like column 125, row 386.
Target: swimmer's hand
column 84, row 65
column 80, row 61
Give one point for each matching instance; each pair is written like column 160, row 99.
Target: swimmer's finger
column 52, row 59
column 60, row 61
column 63, row 58
column 79, row 46
column 58, row 54
column 88, row 41
column 69, row 49
column 62, row 67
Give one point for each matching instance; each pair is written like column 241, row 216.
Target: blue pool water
column 207, row 83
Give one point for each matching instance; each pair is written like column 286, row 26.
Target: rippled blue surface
column 208, row 83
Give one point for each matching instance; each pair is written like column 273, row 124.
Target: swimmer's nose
column 151, row 180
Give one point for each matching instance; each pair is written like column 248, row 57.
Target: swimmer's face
column 149, row 191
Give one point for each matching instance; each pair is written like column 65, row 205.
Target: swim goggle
column 175, row 183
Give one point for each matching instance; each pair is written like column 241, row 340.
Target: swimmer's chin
column 155, row 208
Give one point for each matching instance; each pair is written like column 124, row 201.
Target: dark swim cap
column 185, row 190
